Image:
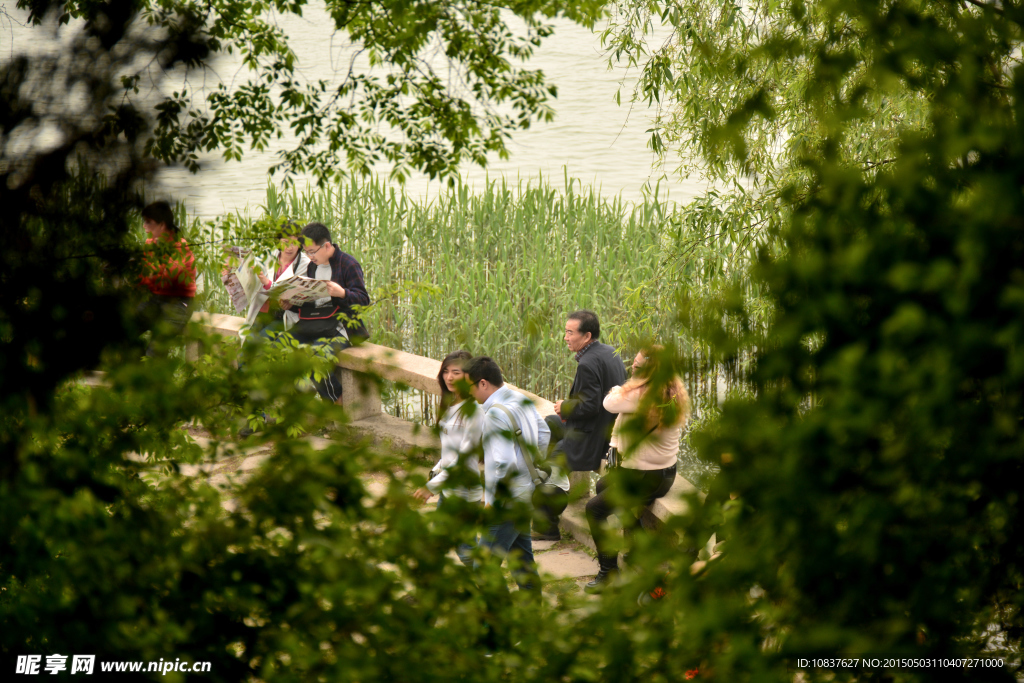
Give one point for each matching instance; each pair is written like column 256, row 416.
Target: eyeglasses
column 313, row 253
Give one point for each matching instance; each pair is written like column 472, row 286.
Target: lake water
column 594, row 139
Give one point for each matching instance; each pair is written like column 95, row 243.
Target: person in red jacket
column 168, row 271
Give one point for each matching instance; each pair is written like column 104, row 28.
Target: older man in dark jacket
column 587, row 425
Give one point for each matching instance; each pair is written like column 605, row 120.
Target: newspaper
column 241, row 282
column 298, row 290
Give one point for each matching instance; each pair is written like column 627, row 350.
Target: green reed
column 494, row 272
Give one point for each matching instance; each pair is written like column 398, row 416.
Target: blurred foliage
column 425, row 86
column 116, row 544
column 877, row 460
column 738, row 101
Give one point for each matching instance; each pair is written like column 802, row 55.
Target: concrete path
column 565, row 565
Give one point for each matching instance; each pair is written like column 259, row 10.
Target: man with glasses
column 331, row 320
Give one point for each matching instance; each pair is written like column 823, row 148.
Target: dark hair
column 317, row 232
column 288, row 228
column 588, row 322
column 160, row 212
column 484, row 367
column 449, row 397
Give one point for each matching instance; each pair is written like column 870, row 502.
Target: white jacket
column 455, row 425
column 261, row 296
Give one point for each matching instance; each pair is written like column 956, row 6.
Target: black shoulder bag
column 318, row 320
column 613, row 456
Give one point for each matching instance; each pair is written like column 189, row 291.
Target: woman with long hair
column 287, row 260
column 453, row 424
column 652, row 408
column 267, row 316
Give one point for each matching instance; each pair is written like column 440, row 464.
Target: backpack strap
column 517, row 433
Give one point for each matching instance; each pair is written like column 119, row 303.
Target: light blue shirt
column 502, row 459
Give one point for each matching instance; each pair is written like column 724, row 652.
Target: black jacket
column 588, row 426
column 346, row 271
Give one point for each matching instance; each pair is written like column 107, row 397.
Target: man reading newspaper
column 329, row 320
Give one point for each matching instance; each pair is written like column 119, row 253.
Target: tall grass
column 494, row 272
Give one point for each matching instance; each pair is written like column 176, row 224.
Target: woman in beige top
column 652, row 408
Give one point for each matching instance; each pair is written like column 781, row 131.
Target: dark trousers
column 549, row 506
column 506, row 540
column 549, row 503
column 641, row 486
column 329, row 387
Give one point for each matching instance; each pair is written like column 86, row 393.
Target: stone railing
column 359, row 398
column 362, row 402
